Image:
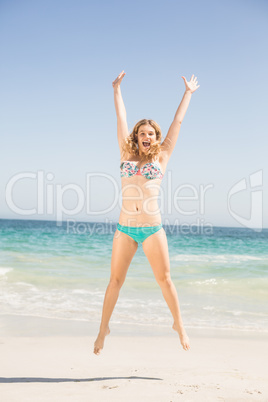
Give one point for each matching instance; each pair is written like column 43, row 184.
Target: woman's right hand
column 117, row 81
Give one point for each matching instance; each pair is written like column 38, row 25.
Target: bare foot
column 183, row 337
column 99, row 342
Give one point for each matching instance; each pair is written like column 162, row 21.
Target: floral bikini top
column 149, row 171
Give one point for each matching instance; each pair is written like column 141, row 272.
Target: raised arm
column 173, row 132
column 122, row 128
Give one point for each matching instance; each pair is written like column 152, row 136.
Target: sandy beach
column 60, row 365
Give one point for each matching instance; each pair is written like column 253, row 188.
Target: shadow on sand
column 4, row 380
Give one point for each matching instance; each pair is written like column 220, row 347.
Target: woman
column 143, row 163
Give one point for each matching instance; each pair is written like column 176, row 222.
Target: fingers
column 119, row 78
column 195, row 82
column 121, row 75
column 193, row 79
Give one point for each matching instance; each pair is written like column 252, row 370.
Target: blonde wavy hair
column 131, row 147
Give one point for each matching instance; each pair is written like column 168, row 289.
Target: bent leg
column 156, row 250
column 124, row 249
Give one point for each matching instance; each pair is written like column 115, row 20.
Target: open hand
column 191, row 86
column 118, row 80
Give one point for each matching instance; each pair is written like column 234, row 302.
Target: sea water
column 52, row 271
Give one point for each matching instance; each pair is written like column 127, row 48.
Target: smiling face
column 146, row 137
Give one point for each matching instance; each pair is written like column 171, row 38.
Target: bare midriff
column 139, row 201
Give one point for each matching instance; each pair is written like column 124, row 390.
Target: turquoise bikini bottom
column 139, row 234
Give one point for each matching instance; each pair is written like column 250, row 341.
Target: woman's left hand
column 191, row 86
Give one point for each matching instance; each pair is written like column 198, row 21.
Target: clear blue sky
column 58, row 61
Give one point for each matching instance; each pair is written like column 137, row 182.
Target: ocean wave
column 211, row 281
column 87, row 292
column 218, row 258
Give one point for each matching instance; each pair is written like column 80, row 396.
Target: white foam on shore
column 5, row 270
column 86, row 304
